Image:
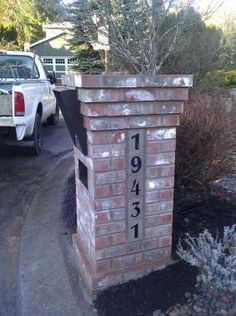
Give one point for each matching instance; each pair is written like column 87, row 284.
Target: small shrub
column 230, row 79
column 206, row 142
column 215, row 259
column 213, row 82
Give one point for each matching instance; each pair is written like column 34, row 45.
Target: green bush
column 216, row 81
column 230, row 79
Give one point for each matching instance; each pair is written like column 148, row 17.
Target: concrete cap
column 126, row 81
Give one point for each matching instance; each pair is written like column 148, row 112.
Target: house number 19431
column 136, row 184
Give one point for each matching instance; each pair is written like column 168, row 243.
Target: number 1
column 136, row 137
column 135, row 230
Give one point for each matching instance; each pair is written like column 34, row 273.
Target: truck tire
column 37, row 135
column 54, row 118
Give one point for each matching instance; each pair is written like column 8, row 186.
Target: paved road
column 21, row 176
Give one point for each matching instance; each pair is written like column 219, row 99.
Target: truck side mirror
column 52, row 77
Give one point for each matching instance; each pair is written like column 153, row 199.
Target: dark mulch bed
column 193, row 212
column 158, row 290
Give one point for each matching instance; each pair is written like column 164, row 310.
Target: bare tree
column 142, row 33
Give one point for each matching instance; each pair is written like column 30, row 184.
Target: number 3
column 137, row 209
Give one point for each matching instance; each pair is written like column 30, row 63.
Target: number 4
column 135, row 187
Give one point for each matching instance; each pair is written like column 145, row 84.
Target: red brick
column 114, row 123
column 110, row 123
column 140, row 121
column 93, row 109
column 159, row 184
column 166, row 219
column 161, row 133
column 151, row 221
column 160, row 219
column 101, row 165
column 153, row 172
column 117, row 137
column 157, row 231
column 118, row 188
column 110, row 177
column 160, row 171
column 158, row 196
column 168, row 107
column 134, row 108
column 170, row 120
column 109, row 279
column 102, row 242
column 142, row 269
column 98, row 137
column 105, row 151
column 166, row 195
column 102, row 217
column 118, row 238
column 110, row 252
column 110, row 228
column 142, row 245
column 163, row 120
column 161, row 159
column 155, row 254
column 165, row 241
column 118, row 214
column 126, row 261
column 168, row 171
column 153, row 148
column 106, row 137
column 168, row 145
column 117, row 163
column 117, row 263
column 102, row 191
column 103, row 266
column 132, row 95
column 132, row 272
column 159, row 208
column 109, row 203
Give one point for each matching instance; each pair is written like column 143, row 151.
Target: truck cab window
column 18, row 67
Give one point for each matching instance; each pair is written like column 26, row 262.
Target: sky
column 228, row 8
column 228, row 4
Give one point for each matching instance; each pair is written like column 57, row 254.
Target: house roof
column 54, row 30
column 47, row 39
column 61, row 26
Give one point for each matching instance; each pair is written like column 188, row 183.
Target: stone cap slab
column 126, row 81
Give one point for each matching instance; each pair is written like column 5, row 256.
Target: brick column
column 125, row 183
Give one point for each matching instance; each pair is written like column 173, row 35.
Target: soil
column 194, row 211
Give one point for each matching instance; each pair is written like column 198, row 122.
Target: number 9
column 136, row 163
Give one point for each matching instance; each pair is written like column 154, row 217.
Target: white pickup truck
column 26, row 97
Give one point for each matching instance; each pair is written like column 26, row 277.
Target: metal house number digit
column 135, row 195
column 136, row 138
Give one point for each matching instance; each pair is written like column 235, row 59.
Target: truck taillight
column 19, row 104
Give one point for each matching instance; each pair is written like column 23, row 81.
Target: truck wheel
column 37, row 135
column 54, row 118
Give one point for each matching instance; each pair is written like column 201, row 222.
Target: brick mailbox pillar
column 125, row 182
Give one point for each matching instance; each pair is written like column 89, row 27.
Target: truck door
column 50, row 100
